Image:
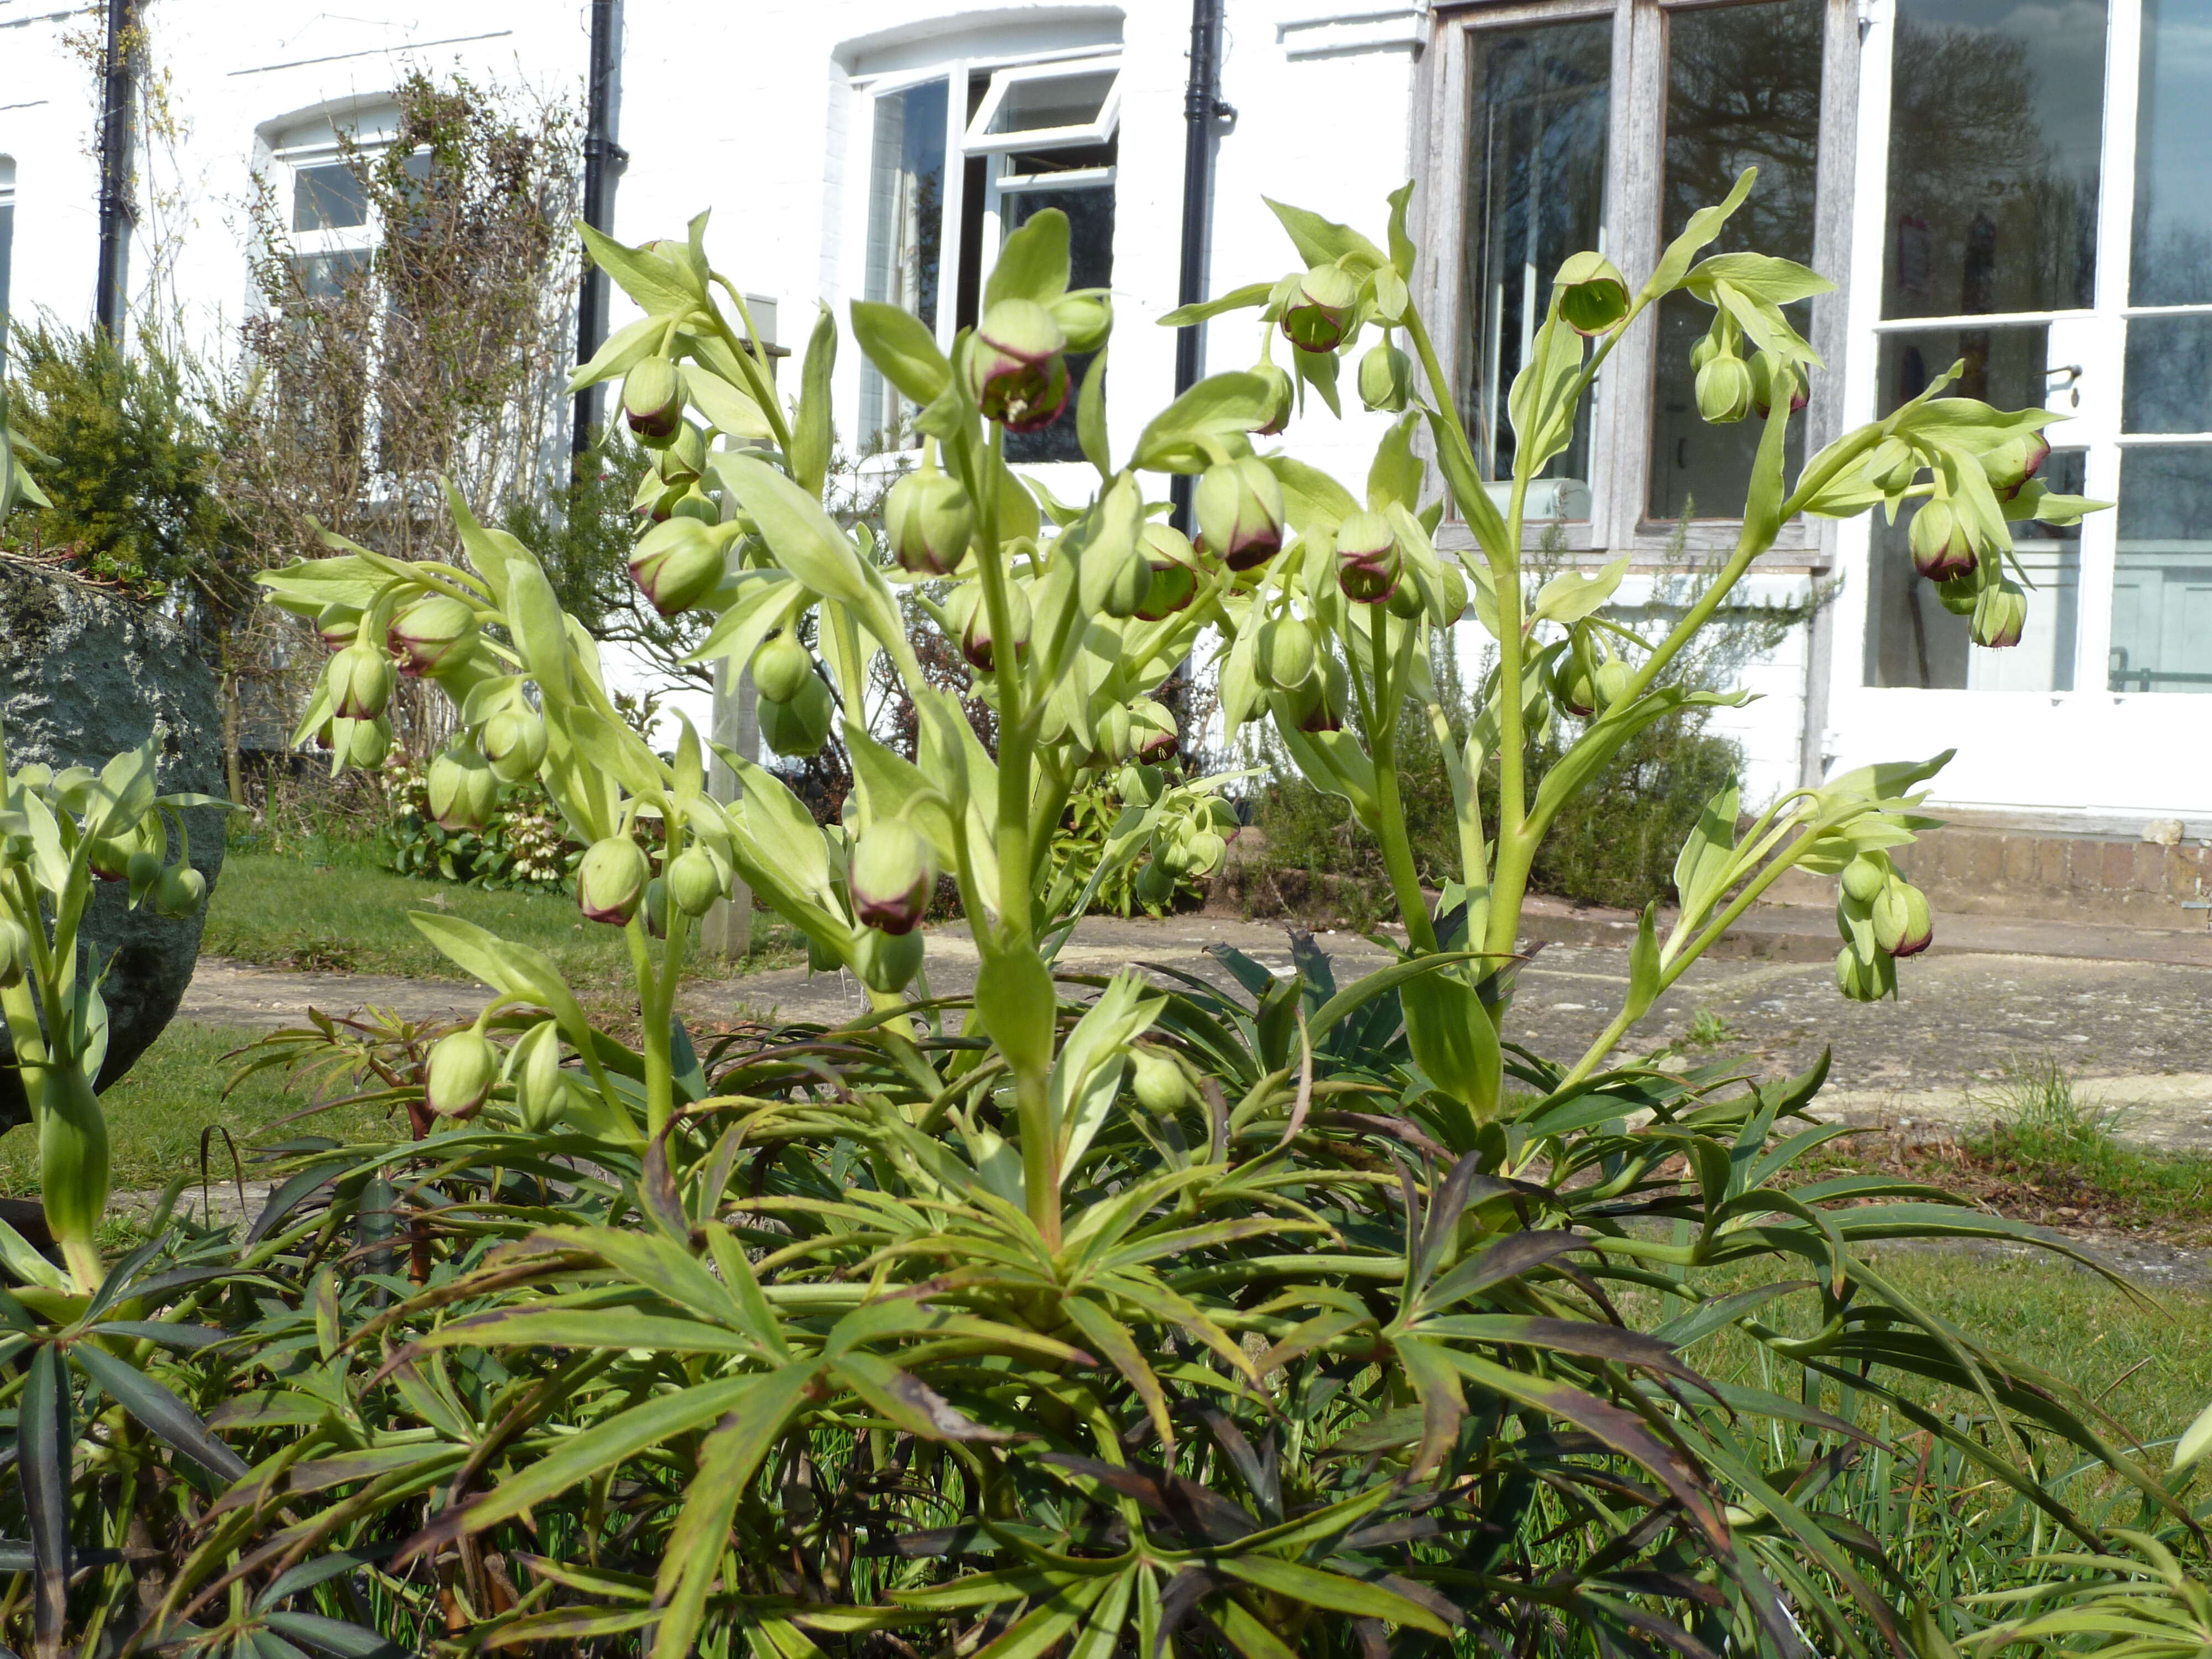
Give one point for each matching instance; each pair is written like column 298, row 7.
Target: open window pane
column 328, row 196
column 1077, row 103
column 1996, row 127
column 906, row 214
column 2162, row 579
column 1743, row 89
column 1090, row 210
column 1536, row 176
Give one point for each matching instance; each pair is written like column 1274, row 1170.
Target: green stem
column 1390, row 812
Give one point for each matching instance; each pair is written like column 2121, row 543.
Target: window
column 7, row 245
column 1605, row 124
column 958, row 160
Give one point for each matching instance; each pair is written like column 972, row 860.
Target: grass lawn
column 348, row 916
column 157, row 1113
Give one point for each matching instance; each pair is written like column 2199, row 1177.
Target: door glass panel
column 2168, row 387
column 1997, row 108
column 1743, row 89
column 2172, row 263
column 1090, row 210
column 2162, row 579
column 1911, row 640
column 1542, row 98
column 906, row 215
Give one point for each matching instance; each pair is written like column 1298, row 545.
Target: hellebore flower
column 1941, row 548
column 1386, row 378
column 892, row 876
column 781, row 668
column 1319, row 314
column 360, row 681
column 1593, row 297
column 1017, row 366
column 1999, row 614
column 653, row 400
column 1724, row 390
column 694, row 881
column 1282, row 398
column 1173, row 562
column 463, row 1067
column 801, row 726
column 927, row 521
column 1240, row 513
column 677, row 564
column 1367, row 562
column 2014, row 461
column 463, row 788
column 1282, row 656
column 178, row 893
column 514, row 741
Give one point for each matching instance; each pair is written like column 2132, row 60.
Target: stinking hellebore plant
column 1017, row 1322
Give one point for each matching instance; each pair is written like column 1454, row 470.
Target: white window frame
column 6, row 250
column 980, row 140
column 1622, row 397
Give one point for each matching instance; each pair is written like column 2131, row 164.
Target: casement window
column 326, row 202
column 960, row 155
column 7, row 245
column 1568, row 124
column 2048, row 220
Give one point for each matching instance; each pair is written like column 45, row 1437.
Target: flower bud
column 1173, row 562
column 1240, row 513
column 927, row 521
column 653, row 400
column 339, row 625
column 1282, row 655
column 975, row 641
column 1282, row 398
column 801, row 726
column 1116, row 577
column 677, row 564
column 1902, row 926
column 360, row 681
column 1866, row 877
column 684, row 458
column 14, row 952
column 1367, row 562
column 1156, row 1081
column 1724, row 390
column 1138, row 786
column 1318, row 705
column 695, row 881
column 1016, row 367
column 892, row 876
column 654, row 909
column 1156, row 885
column 887, row 962
column 514, row 741
column 541, row 1091
column 1611, row 681
column 434, row 633
column 2000, row 614
column 1386, row 378
column 1941, row 548
column 1768, row 374
column 1086, row 316
column 1204, row 853
column 178, row 891
column 1319, row 313
column 363, row 742
column 111, row 859
column 463, row 790
column 1863, row 980
column 2014, row 461
column 1117, row 735
column 464, row 1064
column 610, row 880
column 820, row 959
column 781, row 668
column 143, row 869
column 1593, row 297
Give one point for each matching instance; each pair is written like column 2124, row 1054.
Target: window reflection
column 2162, row 577
column 1535, row 193
column 1089, row 212
column 1996, row 114
column 1910, row 639
column 1743, row 89
column 2172, row 235
column 906, row 212
column 2168, row 385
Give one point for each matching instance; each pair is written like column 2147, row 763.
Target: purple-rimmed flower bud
column 1173, row 562
column 653, row 400
column 464, row 1064
column 435, row 633
column 463, row 790
column 928, row 520
column 2000, row 614
column 1319, row 314
column 1593, row 297
column 801, row 726
column 781, row 668
column 1941, row 548
column 1368, row 561
column 1769, row 374
column 677, row 564
column 695, row 881
column 1282, row 655
column 178, row 891
column 1386, row 378
column 892, row 876
column 976, row 643
column 1282, row 398
column 15, row 953
column 1086, row 316
column 887, row 962
column 1724, row 390
column 360, row 681
column 1152, row 731
column 338, row 625
column 1902, row 926
column 1240, row 513
column 514, row 743
column 610, row 880
column 2014, row 461
column 1016, row 366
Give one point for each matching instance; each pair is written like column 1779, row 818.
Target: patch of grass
column 155, row 1114
column 345, row 915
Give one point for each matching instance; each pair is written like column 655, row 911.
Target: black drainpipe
column 115, row 215
column 604, row 161
column 1202, row 111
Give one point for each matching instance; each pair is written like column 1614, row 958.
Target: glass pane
column 2168, row 387
column 7, row 252
column 1911, row 640
column 2173, row 263
column 1535, row 193
column 1743, row 89
column 1059, row 100
column 2162, row 580
column 326, row 276
column 328, row 196
column 1090, row 213
column 1996, row 110
column 906, row 214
